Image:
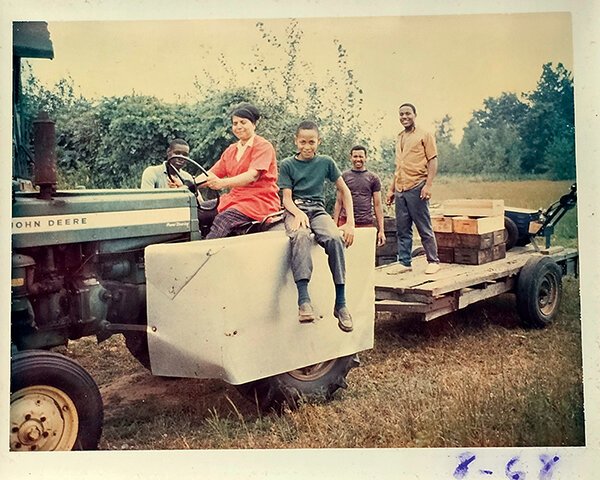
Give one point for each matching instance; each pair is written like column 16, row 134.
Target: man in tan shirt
column 416, row 166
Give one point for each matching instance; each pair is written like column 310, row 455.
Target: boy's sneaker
column 432, row 268
column 344, row 318
column 306, row 313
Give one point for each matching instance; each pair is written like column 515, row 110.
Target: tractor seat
column 267, row 223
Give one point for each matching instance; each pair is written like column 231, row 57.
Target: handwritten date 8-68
column 468, row 469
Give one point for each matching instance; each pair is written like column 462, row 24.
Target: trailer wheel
column 315, row 383
column 54, row 404
column 539, row 290
column 511, row 233
column 418, row 252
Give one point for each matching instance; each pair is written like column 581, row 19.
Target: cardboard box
column 473, row 207
column 477, row 225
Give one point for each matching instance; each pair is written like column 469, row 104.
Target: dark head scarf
column 248, row 111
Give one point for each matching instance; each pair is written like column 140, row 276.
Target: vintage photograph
column 338, row 232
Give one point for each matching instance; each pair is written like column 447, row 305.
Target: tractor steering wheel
column 208, row 205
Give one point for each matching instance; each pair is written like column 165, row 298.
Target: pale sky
column 443, row 64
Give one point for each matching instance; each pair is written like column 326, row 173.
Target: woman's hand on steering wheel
column 215, row 183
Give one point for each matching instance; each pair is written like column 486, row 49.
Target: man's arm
column 348, row 227
column 391, row 192
column 337, row 208
column 432, row 166
column 147, row 179
column 378, row 207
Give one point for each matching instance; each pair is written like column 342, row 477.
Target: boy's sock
column 340, row 295
column 303, row 297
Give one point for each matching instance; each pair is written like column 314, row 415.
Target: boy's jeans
column 327, row 234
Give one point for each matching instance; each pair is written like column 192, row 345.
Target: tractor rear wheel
column 314, row 383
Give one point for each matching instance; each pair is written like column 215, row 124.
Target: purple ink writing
column 463, row 467
column 513, row 475
column 548, row 462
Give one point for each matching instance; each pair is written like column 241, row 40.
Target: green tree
column 489, row 151
column 491, row 143
column 447, row 151
column 506, row 109
column 549, row 125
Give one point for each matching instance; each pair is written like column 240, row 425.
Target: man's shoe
column 344, row 318
column 306, row 313
column 399, row 269
column 432, row 268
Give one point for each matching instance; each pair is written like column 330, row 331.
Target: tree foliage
column 528, row 134
column 549, row 127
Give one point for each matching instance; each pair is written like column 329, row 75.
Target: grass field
column 473, row 378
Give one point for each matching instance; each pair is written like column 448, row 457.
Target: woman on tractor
column 248, row 168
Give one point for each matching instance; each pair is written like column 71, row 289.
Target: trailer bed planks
column 456, row 286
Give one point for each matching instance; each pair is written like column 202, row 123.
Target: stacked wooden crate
column 388, row 253
column 470, row 231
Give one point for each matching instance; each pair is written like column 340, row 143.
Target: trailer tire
column 417, row 252
column 312, row 384
column 511, row 233
column 54, row 404
column 539, row 291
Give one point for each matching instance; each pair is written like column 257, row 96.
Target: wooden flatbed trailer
column 533, row 275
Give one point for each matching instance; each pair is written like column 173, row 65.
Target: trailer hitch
column 551, row 216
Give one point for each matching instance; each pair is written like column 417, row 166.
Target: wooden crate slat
column 472, row 256
column 386, row 293
column 477, row 225
column 473, row 207
column 441, row 303
column 469, row 296
column 482, row 273
column 441, row 224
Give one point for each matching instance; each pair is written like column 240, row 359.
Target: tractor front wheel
column 54, row 404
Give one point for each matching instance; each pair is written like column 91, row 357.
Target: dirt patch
column 161, row 392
